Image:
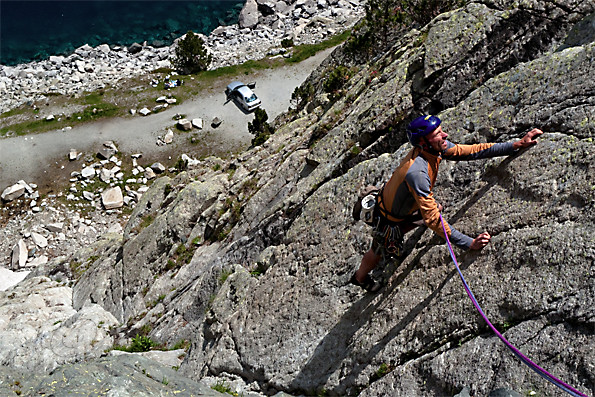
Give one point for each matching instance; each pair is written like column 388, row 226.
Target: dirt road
column 42, row 158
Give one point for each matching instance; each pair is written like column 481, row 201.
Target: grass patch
column 183, row 344
column 140, row 343
column 154, row 303
column 223, row 387
column 182, row 256
column 78, row 269
column 225, row 275
column 90, row 113
column 146, row 221
column 305, row 51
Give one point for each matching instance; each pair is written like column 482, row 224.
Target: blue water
column 34, row 30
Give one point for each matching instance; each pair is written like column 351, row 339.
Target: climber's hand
column 528, row 140
column 480, row 241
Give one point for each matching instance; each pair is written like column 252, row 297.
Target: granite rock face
column 249, row 258
column 126, row 375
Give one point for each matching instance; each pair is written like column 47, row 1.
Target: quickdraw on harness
column 540, row 371
column 390, row 231
column 393, row 239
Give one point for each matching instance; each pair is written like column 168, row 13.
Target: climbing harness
column 540, row 371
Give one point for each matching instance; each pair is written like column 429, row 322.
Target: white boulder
column 9, row 278
column 169, row 137
column 185, row 125
column 13, row 192
column 39, row 240
column 112, row 198
column 20, row 253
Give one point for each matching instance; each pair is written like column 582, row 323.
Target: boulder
column 74, row 155
column 135, row 48
column 38, row 261
column 158, row 168
column 88, row 172
column 189, row 160
column 184, row 125
column 13, row 192
column 88, row 195
column 216, row 122
column 55, row 227
column 104, row 48
column 169, row 137
column 144, row 112
column 149, row 173
column 198, row 123
column 110, row 145
column 249, row 15
column 20, row 254
column 56, row 59
column 105, row 175
column 39, row 240
column 112, row 198
column 8, row 279
column 104, row 153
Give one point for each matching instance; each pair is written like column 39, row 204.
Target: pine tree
column 191, row 54
column 259, row 127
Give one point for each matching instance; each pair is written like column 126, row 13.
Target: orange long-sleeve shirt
column 410, row 187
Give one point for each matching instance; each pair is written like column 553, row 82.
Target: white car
column 243, row 95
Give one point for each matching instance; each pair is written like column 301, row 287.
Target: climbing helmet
column 420, row 127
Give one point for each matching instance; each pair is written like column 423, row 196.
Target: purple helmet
column 420, row 127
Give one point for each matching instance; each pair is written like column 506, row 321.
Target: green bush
column 141, row 343
column 286, row 43
column 259, row 127
column 336, row 80
column 191, row 55
column 302, row 95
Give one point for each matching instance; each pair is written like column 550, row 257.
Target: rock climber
column 406, row 200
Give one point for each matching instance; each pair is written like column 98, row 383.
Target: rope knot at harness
column 540, row 371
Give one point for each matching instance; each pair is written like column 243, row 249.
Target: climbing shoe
column 368, row 284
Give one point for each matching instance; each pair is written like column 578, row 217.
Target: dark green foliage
column 286, row 43
column 140, row 343
column 381, row 372
column 181, row 165
column 302, row 95
column 182, row 255
column 259, row 127
column 336, row 80
column 191, row 55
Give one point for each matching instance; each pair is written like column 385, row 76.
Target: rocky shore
column 262, row 25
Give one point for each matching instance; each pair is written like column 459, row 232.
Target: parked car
column 243, row 95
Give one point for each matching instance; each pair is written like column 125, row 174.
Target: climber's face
column 437, row 139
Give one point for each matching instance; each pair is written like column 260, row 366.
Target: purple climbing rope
column 540, row 371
